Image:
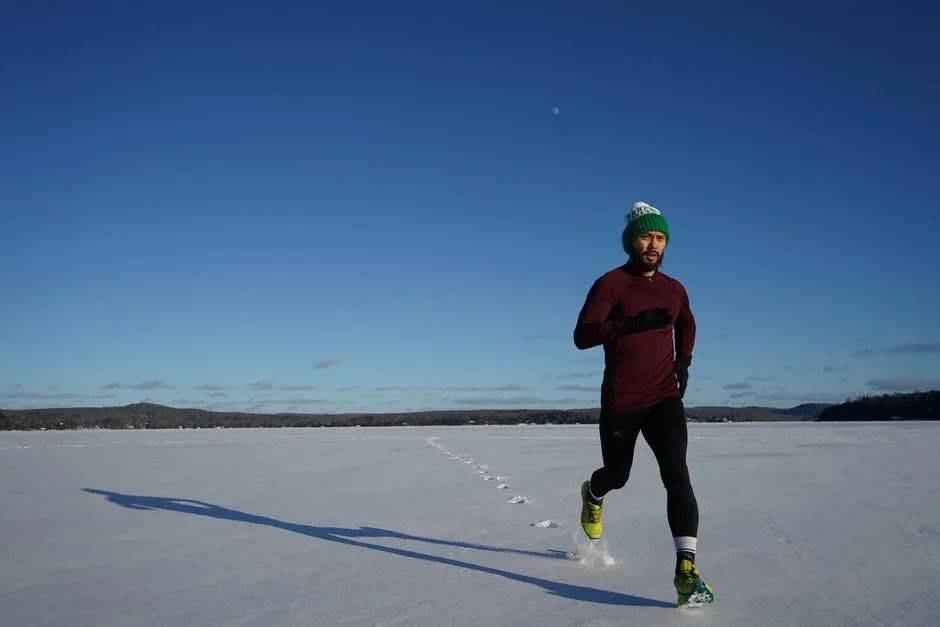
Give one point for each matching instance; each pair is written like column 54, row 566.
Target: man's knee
column 675, row 476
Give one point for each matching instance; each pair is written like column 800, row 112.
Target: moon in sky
column 556, row 110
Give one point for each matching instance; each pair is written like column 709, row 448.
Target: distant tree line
column 898, row 406
column 153, row 416
column 919, row 406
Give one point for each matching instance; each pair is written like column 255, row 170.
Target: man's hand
column 646, row 320
column 682, row 373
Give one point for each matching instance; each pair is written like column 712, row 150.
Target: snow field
column 801, row 524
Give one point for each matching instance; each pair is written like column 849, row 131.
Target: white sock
column 591, row 492
column 685, row 543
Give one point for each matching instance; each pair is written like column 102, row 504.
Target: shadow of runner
column 351, row 537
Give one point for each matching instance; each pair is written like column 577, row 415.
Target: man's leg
column 618, row 439
column 665, row 431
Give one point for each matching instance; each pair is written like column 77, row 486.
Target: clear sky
column 332, row 207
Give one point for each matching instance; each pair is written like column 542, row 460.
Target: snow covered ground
column 801, row 523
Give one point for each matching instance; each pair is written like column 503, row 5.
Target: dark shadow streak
column 346, row 536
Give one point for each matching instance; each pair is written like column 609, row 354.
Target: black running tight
column 664, row 429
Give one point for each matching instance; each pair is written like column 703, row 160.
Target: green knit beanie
column 643, row 219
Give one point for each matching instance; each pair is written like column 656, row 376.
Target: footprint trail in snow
column 500, row 482
column 588, row 554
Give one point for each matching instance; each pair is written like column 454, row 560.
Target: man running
column 632, row 310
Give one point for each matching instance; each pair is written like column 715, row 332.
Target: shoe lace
column 690, row 575
column 591, row 512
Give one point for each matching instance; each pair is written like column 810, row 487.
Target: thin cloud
column 737, row 386
column 43, row 396
column 764, row 379
column 587, row 374
column 512, row 387
column 153, row 384
column 255, row 405
column 264, row 385
column 593, row 359
column 802, row 397
column 265, row 401
column 157, row 384
column 916, row 348
column 210, row 388
column 520, row 400
column 913, row 348
column 329, row 362
column 570, row 387
column 740, row 394
column 904, row 384
column 569, row 400
column 492, row 400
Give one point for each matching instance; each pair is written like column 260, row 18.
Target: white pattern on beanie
column 641, row 209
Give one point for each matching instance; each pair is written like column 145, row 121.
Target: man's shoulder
column 618, row 274
column 672, row 281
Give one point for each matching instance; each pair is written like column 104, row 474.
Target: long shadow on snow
column 348, row 536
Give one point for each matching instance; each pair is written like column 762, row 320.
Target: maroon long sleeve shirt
column 639, row 368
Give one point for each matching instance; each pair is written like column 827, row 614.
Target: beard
column 640, row 261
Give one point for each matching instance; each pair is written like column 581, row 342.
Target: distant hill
column 911, row 406
column 155, row 416
column 807, row 411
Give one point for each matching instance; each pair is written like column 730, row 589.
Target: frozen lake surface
column 801, row 523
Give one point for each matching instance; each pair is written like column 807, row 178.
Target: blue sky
column 376, row 207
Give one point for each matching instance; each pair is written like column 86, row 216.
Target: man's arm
column 685, row 339
column 685, row 331
column 594, row 327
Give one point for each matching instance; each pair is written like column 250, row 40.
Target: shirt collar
column 632, row 270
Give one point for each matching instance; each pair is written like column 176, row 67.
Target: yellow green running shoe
column 692, row 589
column 590, row 514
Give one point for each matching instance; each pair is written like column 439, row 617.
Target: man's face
column 646, row 250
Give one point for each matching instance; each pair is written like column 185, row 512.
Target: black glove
column 682, row 373
column 646, row 320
